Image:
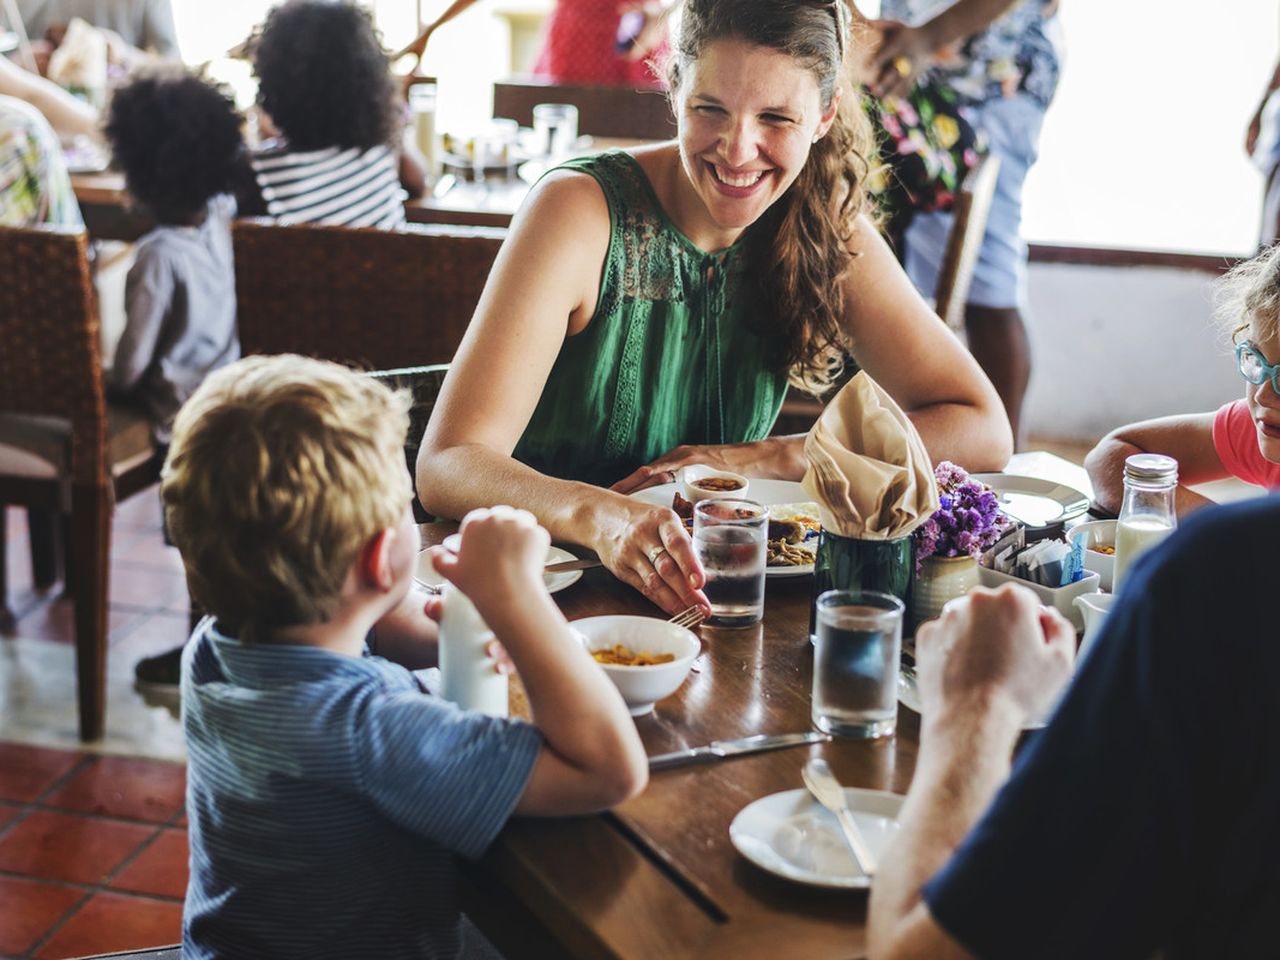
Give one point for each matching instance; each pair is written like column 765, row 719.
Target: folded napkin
column 868, row 469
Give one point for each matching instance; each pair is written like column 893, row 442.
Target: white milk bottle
column 1146, row 515
column 466, row 670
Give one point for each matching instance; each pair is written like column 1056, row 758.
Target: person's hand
column 666, row 469
column 433, row 607
column 896, row 64
column 994, row 649
column 654, row 29
column 500, row 556
column 647, row 547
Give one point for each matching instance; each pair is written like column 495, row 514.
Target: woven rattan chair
column 602, row 111
column 62, row 448
column 424, row 383
column 374, row 299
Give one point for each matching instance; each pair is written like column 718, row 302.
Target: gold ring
column 903, row 66
column 655, row 553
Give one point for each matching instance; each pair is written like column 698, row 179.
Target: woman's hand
column 647, row 547
column 780, row 458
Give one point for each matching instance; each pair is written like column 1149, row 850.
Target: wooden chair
column 62, row 448
column 602, row 111
column 969, row 225
column 374, row 299
column 424, row 384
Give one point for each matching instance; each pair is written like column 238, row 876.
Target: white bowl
column 641, row 687
column 689, row 477
column 1100, row 533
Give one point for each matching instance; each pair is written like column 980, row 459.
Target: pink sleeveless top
column 579, row 47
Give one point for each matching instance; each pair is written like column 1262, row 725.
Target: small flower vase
column 941, row 579
column 846, row 563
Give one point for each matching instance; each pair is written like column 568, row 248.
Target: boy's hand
column 501, row 555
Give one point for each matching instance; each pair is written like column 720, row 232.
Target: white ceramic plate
column 790, row 834
column 767, row 492
column 555, row 581
column 1037, row 503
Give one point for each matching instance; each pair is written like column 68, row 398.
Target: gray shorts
column 1012, row 125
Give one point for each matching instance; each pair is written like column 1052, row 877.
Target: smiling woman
column 649, row 308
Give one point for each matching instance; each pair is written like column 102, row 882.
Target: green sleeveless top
column 669, row 357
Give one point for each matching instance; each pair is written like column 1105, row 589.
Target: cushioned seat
column 40, row 446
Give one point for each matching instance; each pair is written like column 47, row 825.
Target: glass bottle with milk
column 466, row 669
column 1146, row 515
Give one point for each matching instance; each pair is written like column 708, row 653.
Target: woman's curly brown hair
column 801, row 244
column 323, row 76
column 177, row 139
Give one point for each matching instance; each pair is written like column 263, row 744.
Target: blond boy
column 328, row 795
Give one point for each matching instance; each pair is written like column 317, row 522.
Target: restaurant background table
column 658, row 876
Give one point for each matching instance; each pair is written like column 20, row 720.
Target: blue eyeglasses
column 1254, row 367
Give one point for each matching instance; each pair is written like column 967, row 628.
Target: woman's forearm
column 977, row 438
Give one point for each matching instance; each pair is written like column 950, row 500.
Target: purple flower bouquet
column 968, row 519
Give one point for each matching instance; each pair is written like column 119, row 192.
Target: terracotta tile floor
column 92, row 855
column 93, row 841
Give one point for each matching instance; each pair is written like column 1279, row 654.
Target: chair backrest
column 602, row 111
column 50, row 344
column 374, row 299
column 969, row 224
column 424, row 384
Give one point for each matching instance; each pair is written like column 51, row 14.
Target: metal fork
column 689, row 617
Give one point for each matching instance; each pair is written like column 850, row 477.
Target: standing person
column 325, row 85
column 1262, row 144
column 330, row 798
column 649, row 307
column 145, row 25
column 1003, row 60
column 1142, row 821
column 600, row 42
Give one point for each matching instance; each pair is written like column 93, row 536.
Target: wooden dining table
column 658, row 877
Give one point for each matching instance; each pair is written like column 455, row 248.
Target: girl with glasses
column 1242, row 438
column 650, row 307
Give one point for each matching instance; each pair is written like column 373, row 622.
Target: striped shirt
column 341, row 187
column 327, row 800
column 34, row 185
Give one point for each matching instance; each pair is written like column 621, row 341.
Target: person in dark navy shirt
column 1147, row 815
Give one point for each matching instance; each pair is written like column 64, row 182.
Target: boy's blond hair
column 280, row 471
column 1247, row 297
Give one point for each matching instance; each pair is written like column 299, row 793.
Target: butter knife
column 562, row 566
column 723, row 749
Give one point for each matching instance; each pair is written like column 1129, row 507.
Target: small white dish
column 1037, row 503
column 555, row 582
column 691, row 477
column 641, row 687
column 1100, row 533
column 793, row 836
column 767, row 492
column 1060, row 598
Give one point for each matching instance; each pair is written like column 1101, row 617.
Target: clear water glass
column 729, row 537
column 855, row 663
column 555, row 128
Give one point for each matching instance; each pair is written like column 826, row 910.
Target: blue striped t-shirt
column 327, row 798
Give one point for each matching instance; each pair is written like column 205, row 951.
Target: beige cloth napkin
column 868, row 469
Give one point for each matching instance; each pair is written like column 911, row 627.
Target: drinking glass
column 422, row 106
column 729, row 539
column 855, row 663
column 555, row 127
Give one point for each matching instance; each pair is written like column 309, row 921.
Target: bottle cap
column 1151, row 468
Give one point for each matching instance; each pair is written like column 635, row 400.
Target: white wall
column 1116, row 344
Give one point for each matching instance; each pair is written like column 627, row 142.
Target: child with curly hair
column 178, row 141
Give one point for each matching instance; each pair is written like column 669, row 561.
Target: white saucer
column 793, row 836
column 555, row 581
column 767, row 492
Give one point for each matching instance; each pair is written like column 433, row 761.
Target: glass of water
column 729, row 539
column 855, row 663
column 555, row 127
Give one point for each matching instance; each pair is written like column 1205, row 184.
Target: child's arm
column 593, row 757
column 148, row 294
column 407, row 635
column 1187, row 438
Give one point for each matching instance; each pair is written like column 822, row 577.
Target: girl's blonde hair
column 1247, row 297
column 800, row 247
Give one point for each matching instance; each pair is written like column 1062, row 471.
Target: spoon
column 824, row 786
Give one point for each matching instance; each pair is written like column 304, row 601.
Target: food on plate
column 793, row 531
column 1104, row 548
column 718, row 484
column 621, row 656
column 683, row 508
